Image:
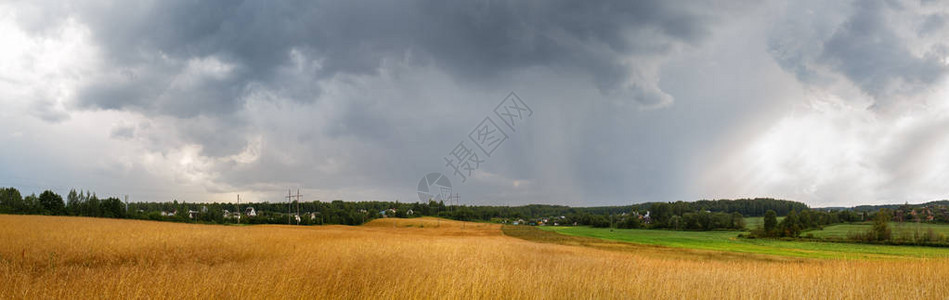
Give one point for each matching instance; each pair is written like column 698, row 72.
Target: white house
column 250, row 212
column 231, row 215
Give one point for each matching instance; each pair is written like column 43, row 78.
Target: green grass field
column 907, row 228
column 728, row 241
column 755, row 222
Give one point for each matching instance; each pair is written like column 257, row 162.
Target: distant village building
column 250, row 212
column 387, row 213
column 232, row 215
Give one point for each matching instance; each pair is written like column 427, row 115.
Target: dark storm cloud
column 871, row 55
column 200, row 62
column 634, row 100
column 149, row 45
column 866, row 47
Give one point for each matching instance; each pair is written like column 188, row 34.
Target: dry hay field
column 73, row 257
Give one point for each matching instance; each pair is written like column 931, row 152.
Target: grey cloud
column 813, row 42
column 163, row 59
column 219, row 137
column 177, row 88
column 796, row 38
column 932, row 24
column 51, row 115
column 868, row 53
column 367, row 96
column 46, row 109
column 123, row 132
column 475, row 41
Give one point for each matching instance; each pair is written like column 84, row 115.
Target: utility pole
column 457, row 202
column 438, row 220
column 126, row 204
column 289, row 196
column 238, row 208
column 298, row 206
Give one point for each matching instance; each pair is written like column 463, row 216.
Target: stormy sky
column 832, row 103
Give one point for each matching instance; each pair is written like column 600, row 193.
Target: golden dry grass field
column 71, row 257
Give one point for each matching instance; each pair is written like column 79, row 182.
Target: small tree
column 880, row 230
column 738, row 221
column 675, row 222
column 52, row 203
column 791, row 225
column 31, row 205
column 112, row 208
column 73, row 203
column 631, row 222
column 11, row 201
column 770, row 222
column 599, row 221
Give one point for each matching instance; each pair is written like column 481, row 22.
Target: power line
column 289, row 196
column 298, row 207
column 457, row 202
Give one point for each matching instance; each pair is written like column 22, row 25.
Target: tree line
column 50, row 203
column 680, row 215
column 797, row 222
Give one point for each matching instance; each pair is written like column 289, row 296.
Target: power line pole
column 238, row 208
column 457, row 202
column 289, row 196
column 298, row 207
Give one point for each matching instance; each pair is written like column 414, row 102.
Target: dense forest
column 698, row 215
column 875, row 208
